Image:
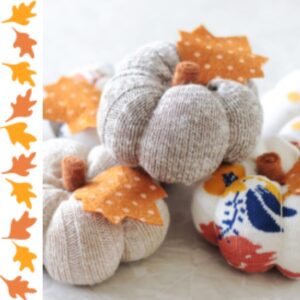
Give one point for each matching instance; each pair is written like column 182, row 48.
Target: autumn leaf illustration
column 22, row 72
column 22, row 107
column 18, row 229
column 18, row 287
column 25, row 257
column 22, row 191
column 21, row 165
column 25, row 43
column 22, row 14
column 17, row 134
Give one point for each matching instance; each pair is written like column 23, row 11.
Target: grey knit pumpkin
column 84, row 248
column 176, row 133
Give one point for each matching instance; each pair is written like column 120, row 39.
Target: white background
column 81, row 32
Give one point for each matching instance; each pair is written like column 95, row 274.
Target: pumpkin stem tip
column 269, row 165
column 186, row 72
column 73, row 172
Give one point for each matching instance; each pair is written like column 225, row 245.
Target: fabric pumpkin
column 176, row 133
column 84, row 248
column 255, row 221
column 291, row 130
column 283, row 102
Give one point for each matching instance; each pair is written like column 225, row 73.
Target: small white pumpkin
column 254, row 220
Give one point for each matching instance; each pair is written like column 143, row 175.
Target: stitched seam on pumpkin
column 57, row 206
column 140, row 72
column 141, row 133
column 114, row 103
column 156, row 78
column 166, row 64
column 221, row 101
column 165, row 85
column 79, row 243
column 68, row 257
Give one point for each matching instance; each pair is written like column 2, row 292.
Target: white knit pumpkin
column 84, row 248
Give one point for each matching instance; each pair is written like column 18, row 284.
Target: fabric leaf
column 21, row 165
column 17, row 134
column 121, row 192
column 22, row 106
column 25, row 257
column 73, row 101
column 22, row 14
column 21, row 72
column 23, row 192
column 220, row 57
column 19, row 229
column 18, row 287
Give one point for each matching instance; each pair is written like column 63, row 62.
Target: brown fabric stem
column 269, row 165
column 73, row 172
column 186, row 72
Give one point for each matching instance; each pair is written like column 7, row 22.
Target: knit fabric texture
column 84, row 248
column 178, row 134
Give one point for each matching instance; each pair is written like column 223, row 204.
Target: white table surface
column 87, row 32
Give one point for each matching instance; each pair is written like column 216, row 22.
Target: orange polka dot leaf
column 220, row 57
column 123, row 192
column 72, row 100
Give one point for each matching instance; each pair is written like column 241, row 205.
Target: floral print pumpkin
column 253, row 219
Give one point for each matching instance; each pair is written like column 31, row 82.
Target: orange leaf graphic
column 22, row 107
column 22, row 72
column 21, row 165
column 18, row 287
column 17, row 134
column 22, row 191
column 21, row 14
column 18, row 229
column 223, row 57
column 25, row 43
column 25, row 257
column 122, row 192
